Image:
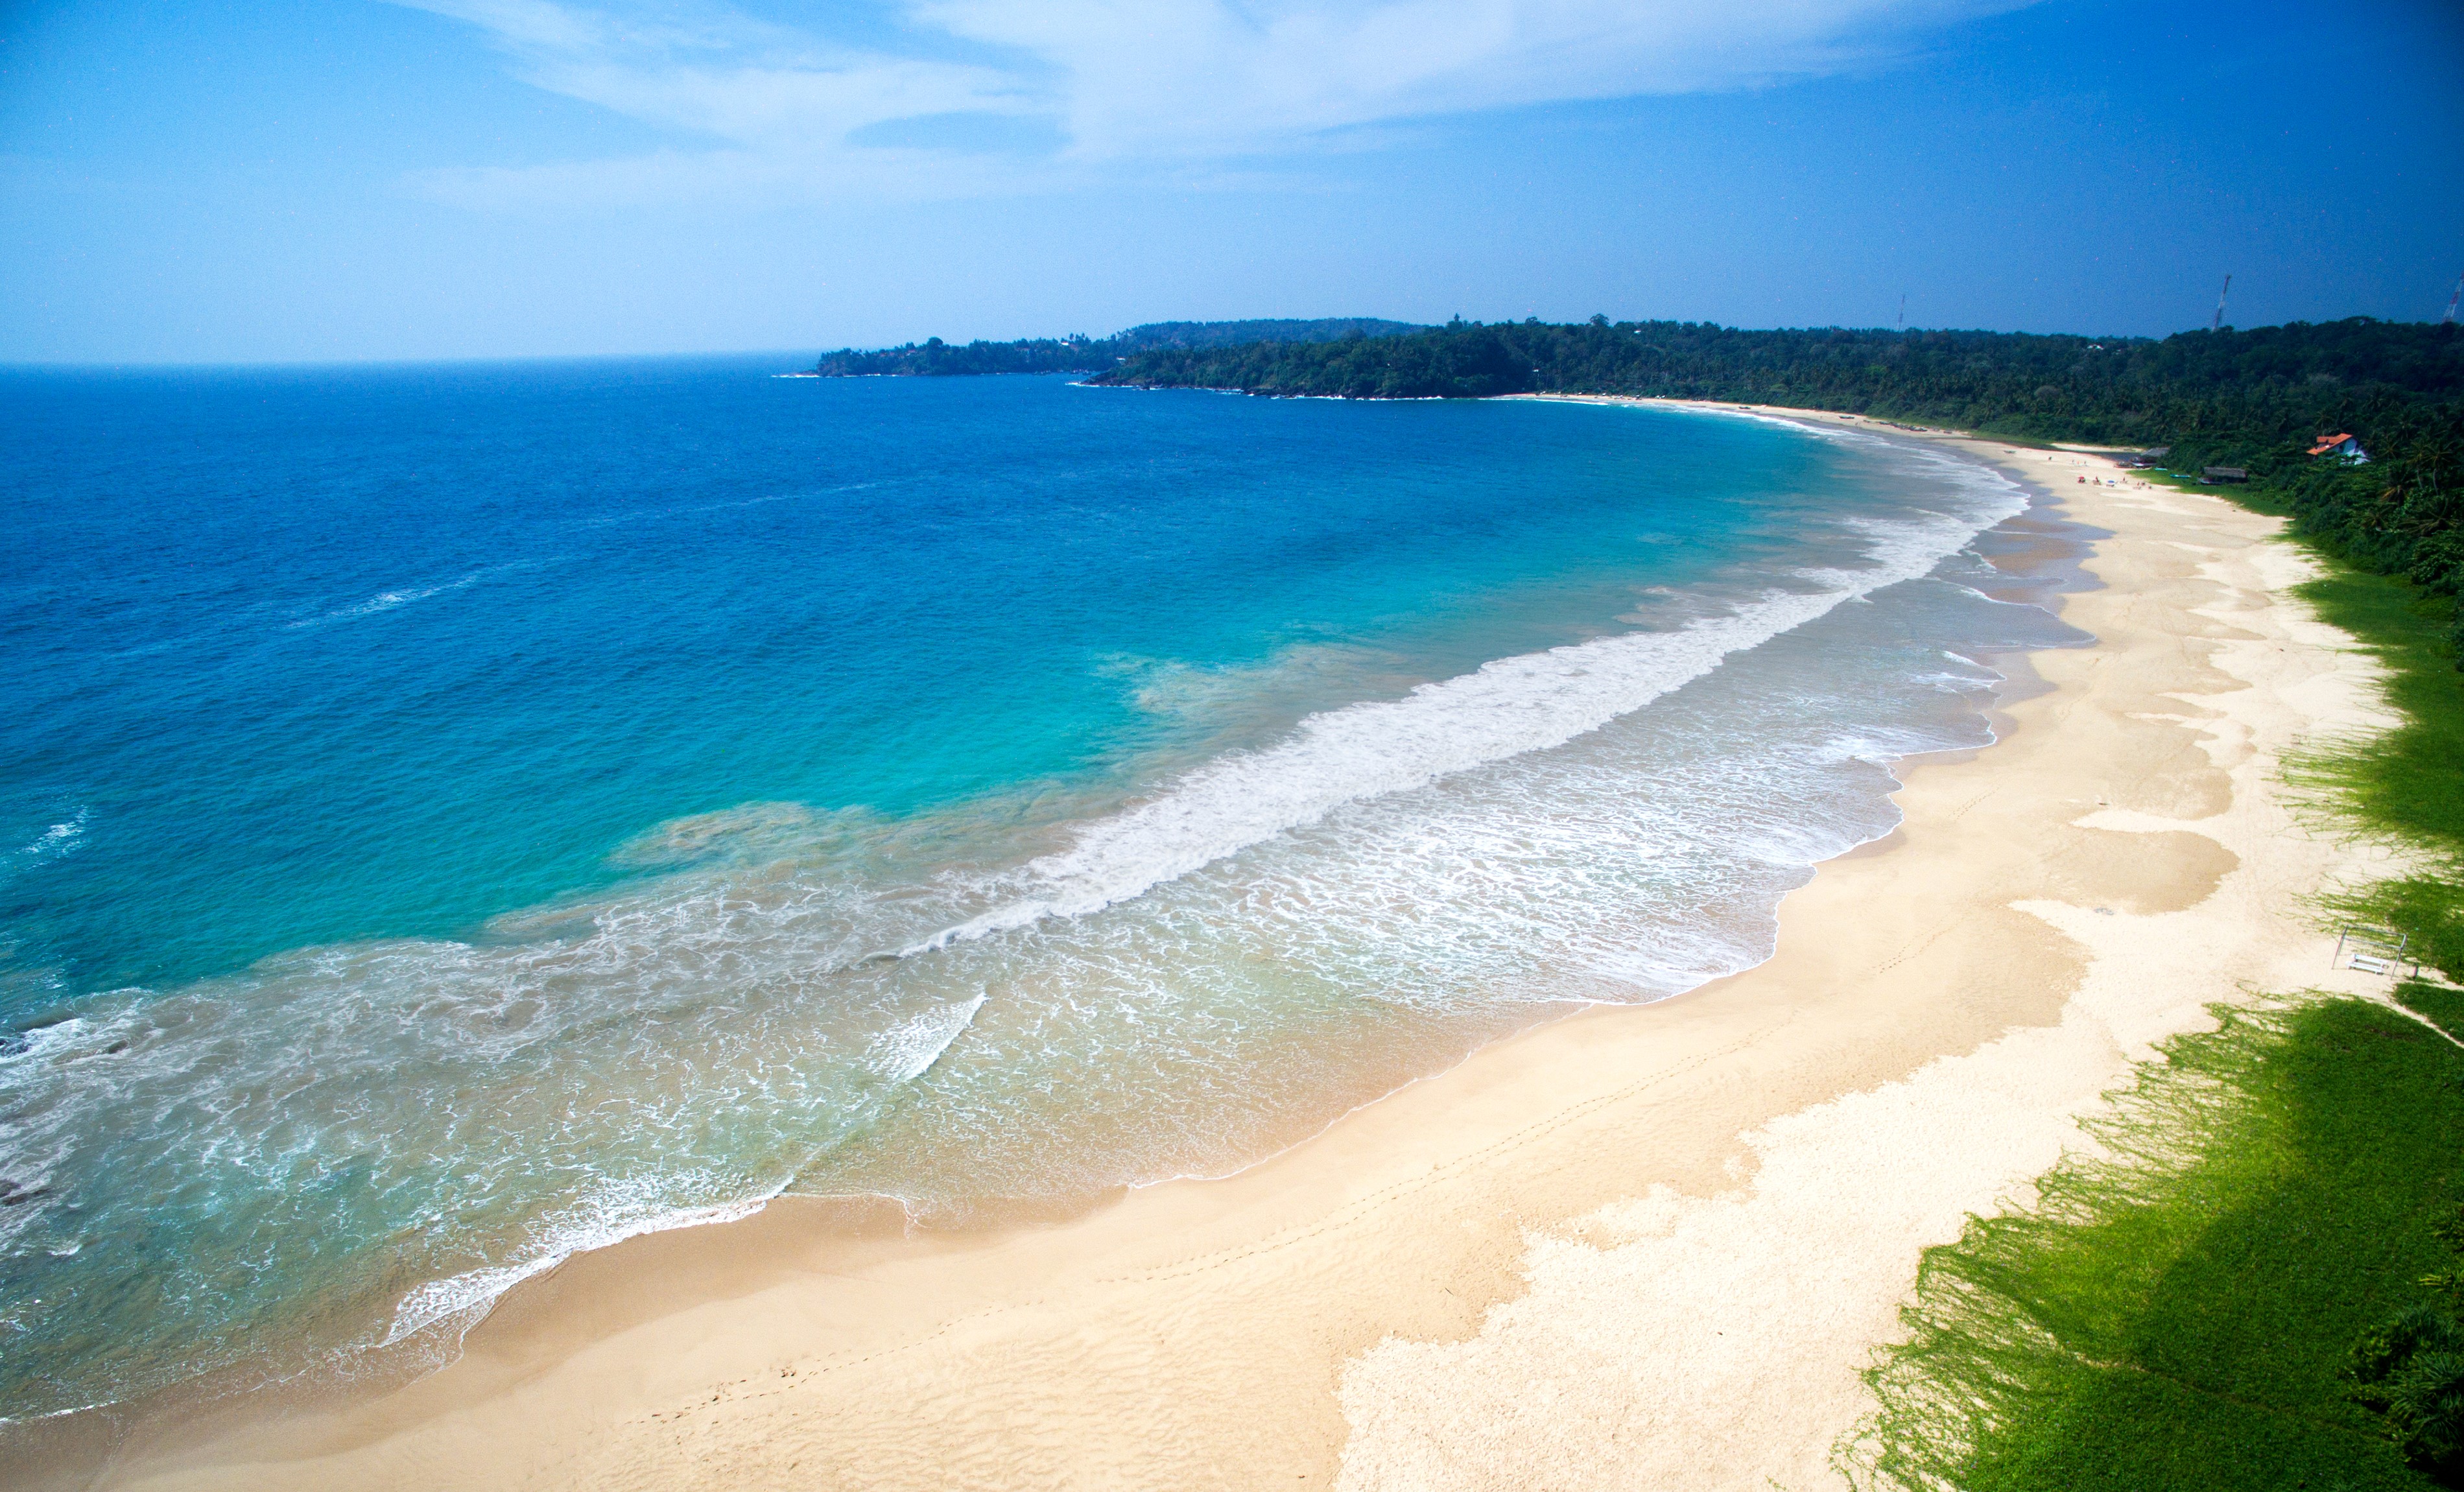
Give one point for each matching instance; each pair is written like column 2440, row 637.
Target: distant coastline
column 934, row 358
column 2349, row 426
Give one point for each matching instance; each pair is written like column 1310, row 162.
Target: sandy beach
column 1644, row 1246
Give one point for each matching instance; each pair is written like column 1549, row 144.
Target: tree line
column 1076, row 353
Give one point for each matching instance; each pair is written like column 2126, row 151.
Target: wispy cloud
column 962, row 95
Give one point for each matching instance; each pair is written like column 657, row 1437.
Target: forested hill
column 1088, row 355
column 2255, row 398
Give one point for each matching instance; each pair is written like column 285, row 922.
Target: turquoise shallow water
column 453, row 816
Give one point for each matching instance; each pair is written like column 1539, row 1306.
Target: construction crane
column 2218, row 324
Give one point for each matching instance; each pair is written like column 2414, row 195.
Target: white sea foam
column 55, row 840
column 58, row 839
column 460, row 1301
column 1504, row 709
column 617, row 1212
column 387, row 601
column 44, row 1041
column 908, row 1049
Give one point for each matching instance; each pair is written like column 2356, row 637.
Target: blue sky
column 344, row 179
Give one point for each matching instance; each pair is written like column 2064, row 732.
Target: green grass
column 2439, row 1004
column 2177, row 1315
column 2411, row 779
column 2408, row 781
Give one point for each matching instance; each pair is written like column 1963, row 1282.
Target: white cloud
column 965, row 96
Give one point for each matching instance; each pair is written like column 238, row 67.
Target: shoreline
column 1326, row 1312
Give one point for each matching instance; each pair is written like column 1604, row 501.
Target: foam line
column 460, row 1302
column 1504, row 709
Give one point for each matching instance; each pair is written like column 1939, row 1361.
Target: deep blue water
column 454, row 814
column 311, row 656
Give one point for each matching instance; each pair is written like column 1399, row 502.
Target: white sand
column 1669, row 1341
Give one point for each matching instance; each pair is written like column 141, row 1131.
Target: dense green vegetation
column 2225, row 386
column 2410, row 1368
column 2184, row 1311
column 936, row 358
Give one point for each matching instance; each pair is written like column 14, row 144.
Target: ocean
column 454, row 816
